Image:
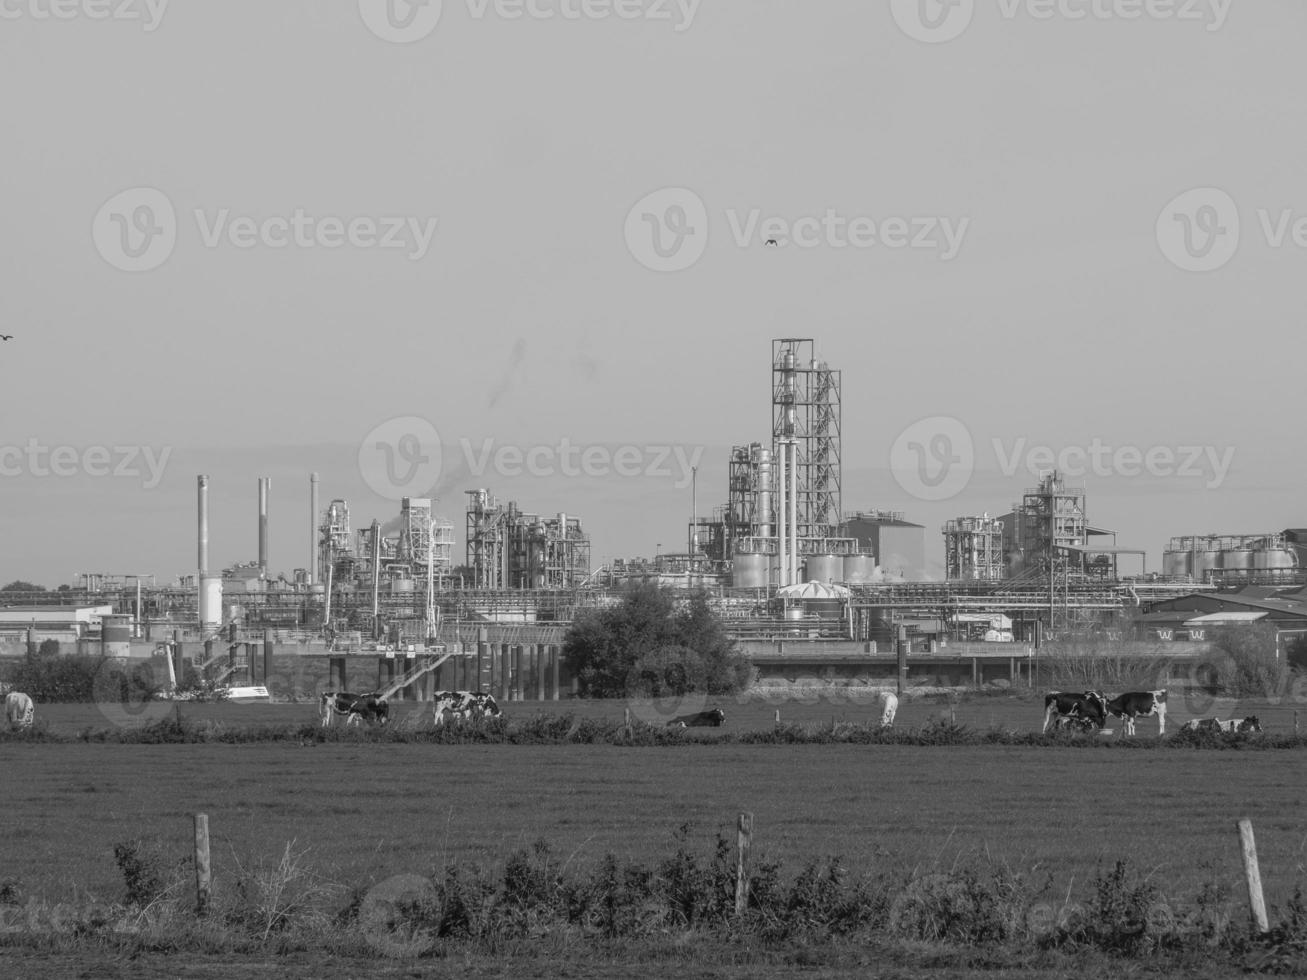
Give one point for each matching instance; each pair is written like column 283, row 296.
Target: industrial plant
column 801, row 582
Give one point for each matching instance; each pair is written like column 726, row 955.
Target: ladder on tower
column 413, row 675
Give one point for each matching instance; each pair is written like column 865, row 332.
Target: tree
column 21, row 586
column 645, row 646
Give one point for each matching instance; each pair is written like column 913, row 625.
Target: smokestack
column 265, row 483
column 204, row 525
column 313, row 529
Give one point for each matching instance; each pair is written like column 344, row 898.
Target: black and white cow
column 19, row 710
column 462, row 706
column 702, row 719
column 357, row 708
column 1087, row 710
column 1139, row 704
column 1249, row 724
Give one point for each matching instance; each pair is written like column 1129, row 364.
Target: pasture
column 363, row 809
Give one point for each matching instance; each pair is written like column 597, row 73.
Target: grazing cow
column 19, row 710
column 1087, row 710
column 891, row 709
column 703, row 719
column 357, row 708
column 1238, row 725
column 1140, row 704
column 462, row 706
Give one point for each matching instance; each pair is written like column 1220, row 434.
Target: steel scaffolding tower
column 806, row 415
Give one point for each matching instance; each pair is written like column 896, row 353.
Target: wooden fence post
column 1256, row 901
column 743, row 842
column 203, row 872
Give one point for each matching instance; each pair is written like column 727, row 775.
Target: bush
column 647, row 646
column 1248, row 667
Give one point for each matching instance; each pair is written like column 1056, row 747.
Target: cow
column 1139, row 704
column 357, row 708
column 19, row 710
column 462, row 706
column 891, row 702
column 702, row 719
column 1087, row 710
column 1237, row 725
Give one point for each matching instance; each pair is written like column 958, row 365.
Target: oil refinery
column 794, row 574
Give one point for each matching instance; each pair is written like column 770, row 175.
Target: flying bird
column 772, row 243
column 6, row 336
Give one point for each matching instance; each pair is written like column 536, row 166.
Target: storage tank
column 859, row 569
column 1238, row 564
column 116, row 635
column 823, row 568
column 1204, row 562
column 401, row 585
column 749, row 571
column 1175, row 564
column 1281, row 559
column 210, row 601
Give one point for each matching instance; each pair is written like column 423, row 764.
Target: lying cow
column 357, row 708
column 462, row 706
column 1087, row 710
column 703, row 719
column 1249, row 724
column 1139, row 704
column 19, row 710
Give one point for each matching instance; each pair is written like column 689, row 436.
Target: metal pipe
column 313, row 529
column 204, row 525
column 376, row 579
column 783, row 571
column 794, row 511
column 264, row 484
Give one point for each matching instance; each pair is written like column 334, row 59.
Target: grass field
column 365, row 809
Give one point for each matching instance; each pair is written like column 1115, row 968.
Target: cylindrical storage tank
column 1175, row 564
column 401, row 585
column 211, row 601
column 1281, row 558
column 116, row 635
column 749, row 571
column 823, row 568
column 1237, row 564
column 795, row 612
column 1204, row 562
column 859, row 569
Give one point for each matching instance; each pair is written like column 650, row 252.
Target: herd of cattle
column 1090, row 710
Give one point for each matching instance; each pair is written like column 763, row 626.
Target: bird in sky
column 6, row 336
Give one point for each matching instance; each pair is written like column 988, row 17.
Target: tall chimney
column 264, row 484
column 313, row 529
column 204, row 525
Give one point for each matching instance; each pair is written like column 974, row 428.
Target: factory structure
column 781, row 559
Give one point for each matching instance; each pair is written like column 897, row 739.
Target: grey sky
column 1060, row 321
